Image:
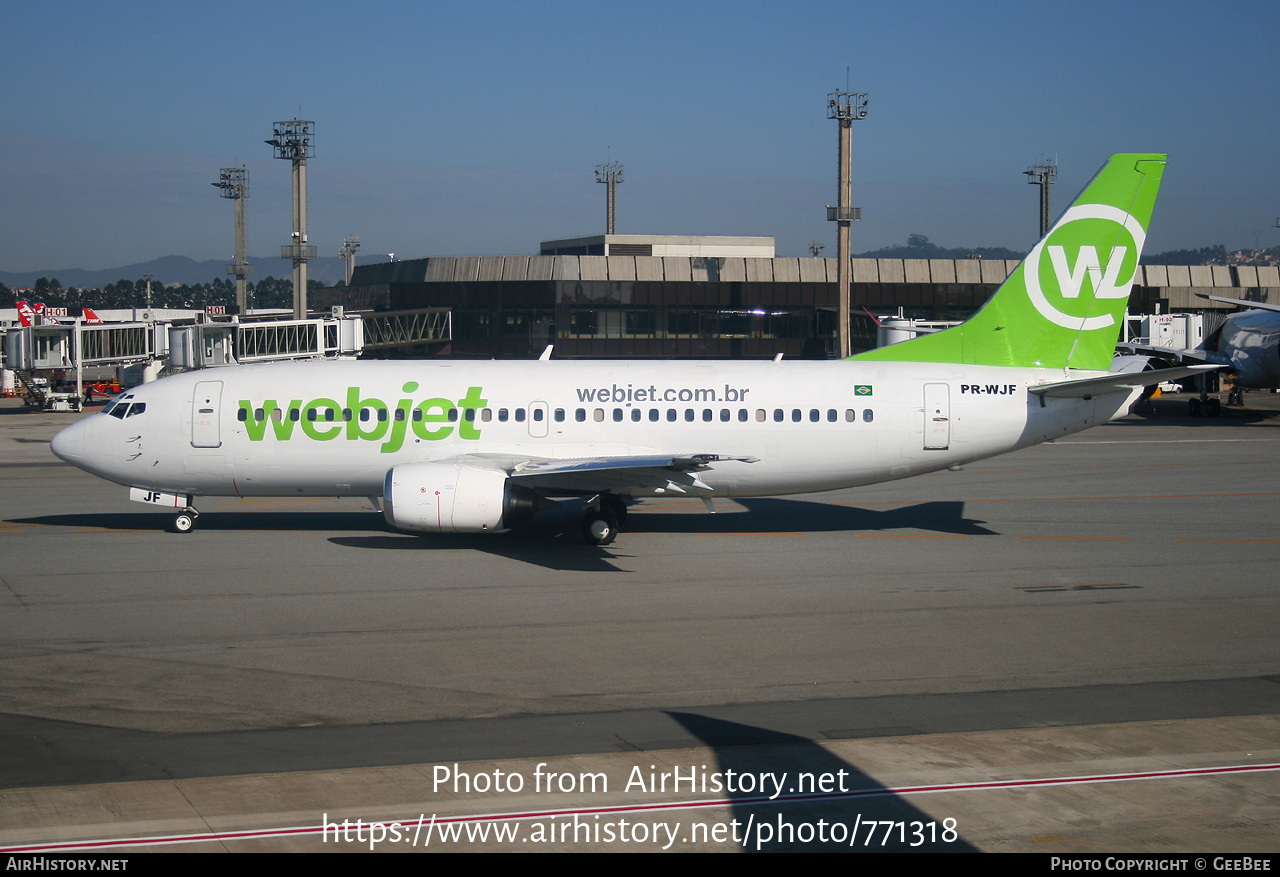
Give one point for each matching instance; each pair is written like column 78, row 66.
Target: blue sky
column 446, row 129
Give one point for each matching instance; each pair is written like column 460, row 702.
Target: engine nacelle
column 453, row 498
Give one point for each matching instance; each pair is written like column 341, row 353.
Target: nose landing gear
column 185, row 522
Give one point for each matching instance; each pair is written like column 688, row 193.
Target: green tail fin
column 1062, row 307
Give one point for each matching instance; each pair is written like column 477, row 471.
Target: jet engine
column 454, row 498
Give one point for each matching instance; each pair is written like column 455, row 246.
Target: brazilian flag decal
column 862, row 390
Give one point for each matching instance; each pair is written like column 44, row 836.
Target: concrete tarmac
column 1101, row 608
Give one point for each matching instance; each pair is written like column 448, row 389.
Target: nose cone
column 69, row 443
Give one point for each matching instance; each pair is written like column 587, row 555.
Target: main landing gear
column 1209, row 407
column 604, row 516
column 185, row 522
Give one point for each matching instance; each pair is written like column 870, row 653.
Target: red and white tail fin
column 27, row 312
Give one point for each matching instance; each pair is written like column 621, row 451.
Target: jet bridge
column 388, row 330
column 43, row 356
column 207, row 344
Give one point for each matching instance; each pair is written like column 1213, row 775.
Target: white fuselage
column 335, row 428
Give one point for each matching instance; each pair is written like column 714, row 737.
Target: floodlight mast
column 610, row 174
column 845, row 107
column 234, row 183
column 291, row 140
column 348, row 253
column 1044, row 176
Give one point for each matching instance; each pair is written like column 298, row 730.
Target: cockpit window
column 106, row 409
column 117, row 410
column 136, row 408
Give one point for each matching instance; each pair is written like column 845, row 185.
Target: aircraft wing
column 590, row 475
column 1118, row 382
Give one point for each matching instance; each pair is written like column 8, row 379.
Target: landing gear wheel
column 184, row 522
column 599, row 527
column 1212, row 408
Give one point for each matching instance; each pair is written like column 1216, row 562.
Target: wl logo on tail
column 1064, row 284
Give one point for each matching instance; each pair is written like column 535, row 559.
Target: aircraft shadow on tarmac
column 545, row 540
column 218, row 521
column 818, row 822
column 1175, row 412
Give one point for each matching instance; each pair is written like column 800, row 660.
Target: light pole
column 292, row 140
column 845, row 107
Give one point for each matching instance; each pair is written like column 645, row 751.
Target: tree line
column 269, row 292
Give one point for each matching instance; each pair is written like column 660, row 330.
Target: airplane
column 30, row 314
column 1248, row 341
column 1247, row 345
column 475, row 447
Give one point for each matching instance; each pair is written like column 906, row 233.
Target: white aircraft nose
column 68, row 444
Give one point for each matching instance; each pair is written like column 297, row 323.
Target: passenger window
column 399, row 415
column 346, row 415
column 502, row 415
column 486, row 414
column 868, row 416
column 635, row 415
column 653, row 415
column 671, row 415
column 832, row 415
column 707, row 415
column 469, row 415
column 814, row 415
column 850, row 415
column 294, row 415
column 453, row 415
column 277, row 415
column 617, row 415
column 364, row 415
column 559, row 415
column 257, row 414
column 242, row 415
column 688, row 415
column 724, row 415
column 778, row 415
column 329, row 414
column 598, row 415
column 382, row 415
column 311, row 414
column 417, row 415
column 742, row 415
column 580, row 415
column 760, row 415
column 795, row 415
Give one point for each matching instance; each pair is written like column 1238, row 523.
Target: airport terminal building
column 713, row 297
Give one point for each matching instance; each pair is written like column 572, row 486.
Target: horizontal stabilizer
column 1118, row 382
column 1240, row 302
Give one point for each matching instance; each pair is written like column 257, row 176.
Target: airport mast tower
column 234, row 183
column 1044, row 176
column 610, row 174
column 292, row 140
column 845, row 107
column 348, row 254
